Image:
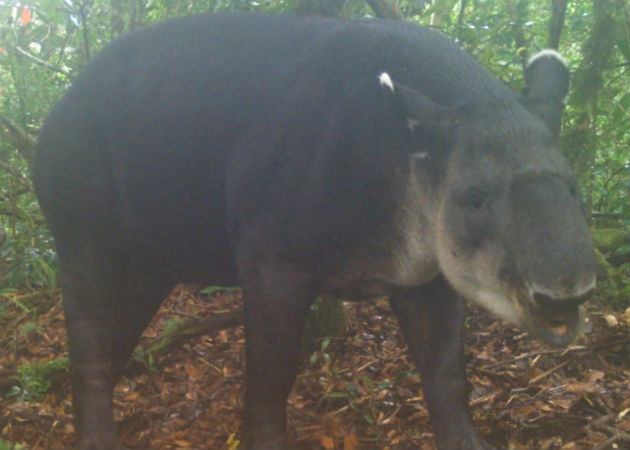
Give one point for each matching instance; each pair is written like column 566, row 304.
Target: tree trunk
column 578, row 142
column 116, row 18
column 522, row 46
column 556, row 24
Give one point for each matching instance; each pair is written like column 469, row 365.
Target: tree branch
column 21, row 139
column 192, row 328
column 460, row 19
column 26, row 185
column 38, row 61
column 83, row 6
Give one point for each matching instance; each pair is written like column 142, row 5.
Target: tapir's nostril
column 547, row 302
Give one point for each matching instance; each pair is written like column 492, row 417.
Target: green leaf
column 337, row 394
column 211, row 290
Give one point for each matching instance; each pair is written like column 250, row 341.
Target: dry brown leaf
column 611, row 320
column 132, row 396
column 564, row 403
column 328, row 442
column 581, row 387
column 595, row 375
column 350, row 442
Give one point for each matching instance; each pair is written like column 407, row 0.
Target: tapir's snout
column 551, row 304
column 554, row 256
column 557, row 320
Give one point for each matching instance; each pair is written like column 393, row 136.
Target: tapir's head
column 509, row 225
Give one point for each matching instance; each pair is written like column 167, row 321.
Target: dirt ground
column 360, row 391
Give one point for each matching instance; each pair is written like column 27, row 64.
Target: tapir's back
column 136, row 151
column 140, row 147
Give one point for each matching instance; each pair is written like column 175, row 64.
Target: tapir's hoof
column 100, row 444
column 465, row 442
column 275, row 445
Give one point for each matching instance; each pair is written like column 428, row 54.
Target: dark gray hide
column 305, row 156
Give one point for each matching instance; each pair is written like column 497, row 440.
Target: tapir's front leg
column 276, row 297
column 431, row 318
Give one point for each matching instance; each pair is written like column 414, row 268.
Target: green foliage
column 357, row 391
column 4, row 445
column 45, row 45
column 34, row 379
column 613, row 258
column 613, row 282
column 27, row 257
column 326, row 319
column 170, row 326
column 29, row 265
column 321, row 356
column 8, row 294
column 144, row 358
column 361, row 394
column 28, row 328
column 212, row 290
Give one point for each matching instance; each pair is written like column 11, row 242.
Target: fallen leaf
column 193, row 371
column 350, row 442
column 611, row 320
column 131, row 397
column 232, row 443
column 595, row 375
column 583, row 387
column 328, row 442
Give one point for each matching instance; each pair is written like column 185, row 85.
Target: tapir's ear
column 418, row 111
column 547, row 79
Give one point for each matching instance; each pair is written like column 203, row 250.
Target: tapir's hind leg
column 108, row 301
column 432, row 318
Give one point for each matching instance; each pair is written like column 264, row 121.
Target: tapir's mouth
column 555, row 321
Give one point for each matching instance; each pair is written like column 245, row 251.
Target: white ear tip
column 548, row 53
column 421, row 156
column 385, row 80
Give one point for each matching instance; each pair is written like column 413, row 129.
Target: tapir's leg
column 276, row 297
column 106, row 308
column 431, row 318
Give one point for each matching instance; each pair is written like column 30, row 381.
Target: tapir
column 304, row 156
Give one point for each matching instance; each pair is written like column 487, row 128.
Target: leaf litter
column 358, row 391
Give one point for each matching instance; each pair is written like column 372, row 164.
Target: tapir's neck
column 402, row 257
column 414, row 260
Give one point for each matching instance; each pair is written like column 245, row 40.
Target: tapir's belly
column 406, row 261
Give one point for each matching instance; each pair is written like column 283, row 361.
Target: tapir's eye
column 475, row 199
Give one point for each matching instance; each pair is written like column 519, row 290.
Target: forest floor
column 360, row 391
